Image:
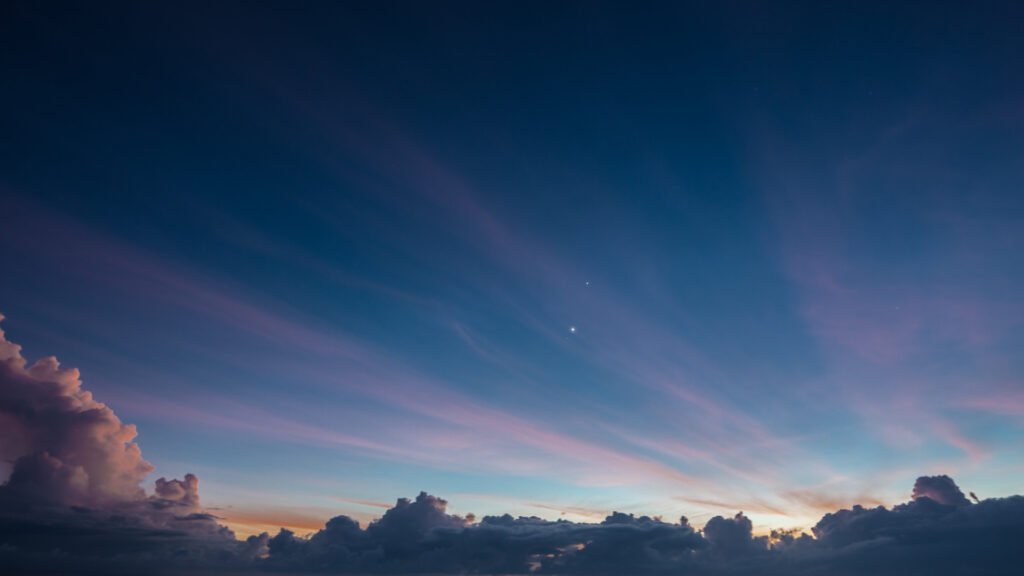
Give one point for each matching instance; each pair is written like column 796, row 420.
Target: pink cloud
column 1008, row 403
column 65, row 445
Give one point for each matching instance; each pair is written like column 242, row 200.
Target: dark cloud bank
column 72, row 503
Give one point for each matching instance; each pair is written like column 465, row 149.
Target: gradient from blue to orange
column 554, row 261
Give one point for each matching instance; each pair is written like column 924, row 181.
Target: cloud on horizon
column 73, row 503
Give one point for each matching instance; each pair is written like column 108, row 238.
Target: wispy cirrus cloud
column 124, row 529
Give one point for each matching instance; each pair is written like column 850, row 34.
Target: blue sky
column 558, row 261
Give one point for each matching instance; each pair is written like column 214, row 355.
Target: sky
column 549, row 259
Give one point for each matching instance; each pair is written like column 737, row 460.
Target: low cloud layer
column 73, row 503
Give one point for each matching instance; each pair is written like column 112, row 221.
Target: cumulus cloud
column 66, row 447
column 183, row 493
column 941, row 489
column 733, row 537
column 923, row 536
column 73, row 488
column 73, row 503
column 419, row 536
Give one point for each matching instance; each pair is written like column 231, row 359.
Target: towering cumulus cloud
column 73, row 503
column 66, row 447
column 72, row 495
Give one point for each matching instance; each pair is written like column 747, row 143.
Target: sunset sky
column 549, row 259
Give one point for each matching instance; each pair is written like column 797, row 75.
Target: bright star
column 572, row 329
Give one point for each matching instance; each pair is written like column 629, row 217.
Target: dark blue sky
column 571, row 255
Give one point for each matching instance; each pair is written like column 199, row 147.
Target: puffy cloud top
column 410, row 520
column 733, row 536
column 184, row 493
column 73, row 492
column 66, row 447
column 941, row 489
